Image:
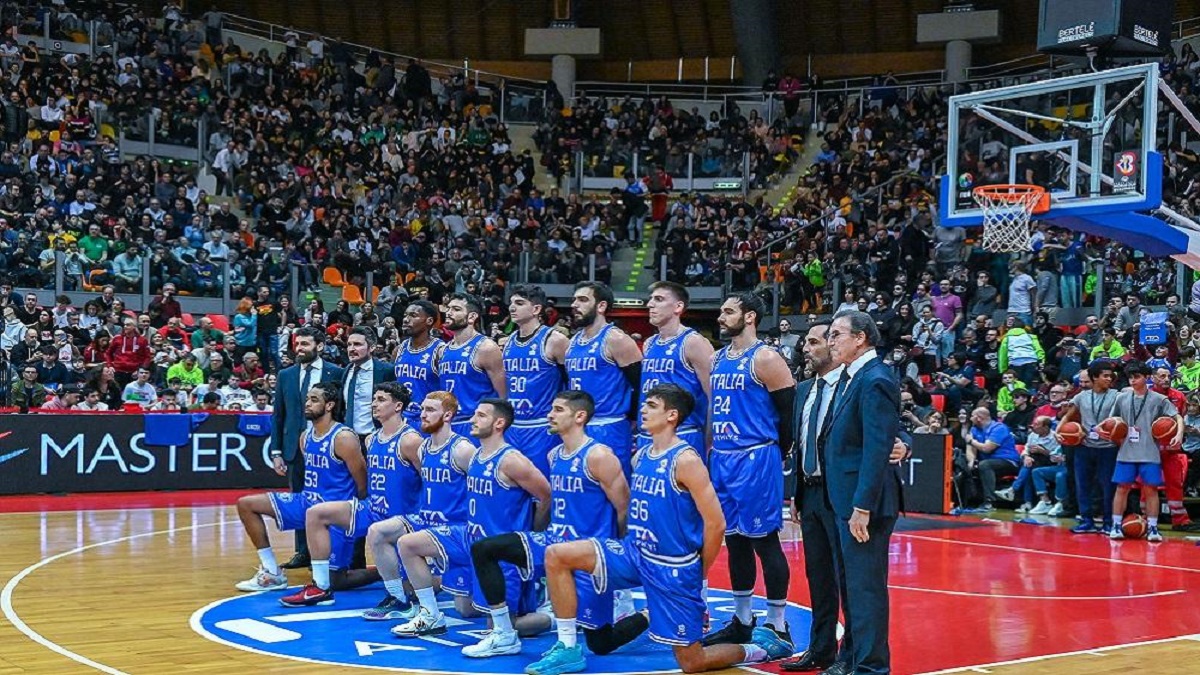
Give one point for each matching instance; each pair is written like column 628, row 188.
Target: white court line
column 19, row 624
column 1046, row 657
column 1077, row 556
column 974, row 594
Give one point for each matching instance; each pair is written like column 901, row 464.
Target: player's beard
column 455, row 325
column 734, row 330
column 583, row 320
column 433, row 427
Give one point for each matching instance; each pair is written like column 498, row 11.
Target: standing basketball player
column 502, row 486
column 334, row 470
column 606, row 363
column 590, row 498
column 443, row 459
column 471, row 366
column 393, row 486
column 675, row 528
column 416, row 357
column 676, row 355
column 752, row 397
column 533, row 371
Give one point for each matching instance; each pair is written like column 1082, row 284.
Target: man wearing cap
column 67, row 399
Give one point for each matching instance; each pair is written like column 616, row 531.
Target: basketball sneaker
column 263, row 581
column 560, row 659
column 496, row 643
column 734, row 633
column 1041, row 509
column 390, row 609
column 1153, row 535
column 1088, row 526
column 1116, row 533
column 309, row 596
column 784, row 633
column 422, row 624
column 771, row 643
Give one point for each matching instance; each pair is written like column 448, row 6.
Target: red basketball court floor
column 970, row 595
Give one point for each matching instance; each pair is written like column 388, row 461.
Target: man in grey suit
column 288, row 420
column 862, row 485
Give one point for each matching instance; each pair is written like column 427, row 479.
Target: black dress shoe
column 839, row 668
column 806, row 662
column 298, row 561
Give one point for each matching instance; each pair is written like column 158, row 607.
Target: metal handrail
column 274, row 33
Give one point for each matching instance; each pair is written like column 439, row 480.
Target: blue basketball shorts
column 364, row 517
column 674, row 587
column 616, row 433
column 1128, row 473
column 535, row 442
column 464, row 429
column 749, row 485
column 595, row 609
column 690, row 435
column 290, row 509
column 458, row 577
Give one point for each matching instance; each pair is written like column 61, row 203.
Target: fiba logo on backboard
column 338, row 636
column 1125, row 171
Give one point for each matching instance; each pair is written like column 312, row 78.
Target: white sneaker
column 423, row 623
column 1006, row 494
column 1056, row 511
column 1116, row 533
column 263, row 581
column 1041, row 509
column 1025, row 508
column 623, row 605
column 495, row 644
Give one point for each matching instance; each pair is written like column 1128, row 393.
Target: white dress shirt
column 831, row 380
column 364, row 388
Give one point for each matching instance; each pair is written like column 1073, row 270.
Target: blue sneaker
column 1088, row 526
column 560, row 659
column 771, row 643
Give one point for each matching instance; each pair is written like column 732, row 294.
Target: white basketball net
column 1006, row 215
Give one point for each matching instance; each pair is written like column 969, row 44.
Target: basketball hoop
column 1006, row 213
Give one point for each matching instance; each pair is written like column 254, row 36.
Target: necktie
column 833, row 402
column 810, row 435
column 305, row 383
column 354, row 371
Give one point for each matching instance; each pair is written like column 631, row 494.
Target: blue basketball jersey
column 415, row 370
column 532, row 378
column 579, row 506
column 459, row 375
column 663, row 520
column 326, row 478
column 743, row 415
column 588, row 369
column 444, row 499
column 393, row 485
column 495, row 507
column 663, row 363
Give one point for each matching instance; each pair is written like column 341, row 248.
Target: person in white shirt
column 91, row 401
column 140, row 391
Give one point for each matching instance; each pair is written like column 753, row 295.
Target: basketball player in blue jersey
column 393, row 486
column 334, row 471
column 675, row 532
column 471, row 365
column 416, row 357
column 589, row 498
column 752, row 397
column 533, row 371
column 606, row 363
column 443, row 460
column 502, row 489
column 676, row 355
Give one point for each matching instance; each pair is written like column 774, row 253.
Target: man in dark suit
column 288, row 420
column 822, row 548
column 360, row 377
column 862, row 485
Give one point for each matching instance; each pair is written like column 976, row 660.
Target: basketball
column 1164, row 430
column 1133, row 526
column 1070, row 433
column 1113, row 429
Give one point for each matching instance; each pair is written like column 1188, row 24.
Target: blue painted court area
column 337, row 635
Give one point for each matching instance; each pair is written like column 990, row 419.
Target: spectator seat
column 333, row 277
column 352, row 294
column 188, row 320
column 220, row 322
column 938, row 401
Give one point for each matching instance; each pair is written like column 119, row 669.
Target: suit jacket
column 382, row 370
column 860, row 435
column 288, row 417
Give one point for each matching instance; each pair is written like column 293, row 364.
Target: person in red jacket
column 128, row 352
